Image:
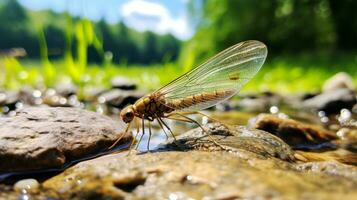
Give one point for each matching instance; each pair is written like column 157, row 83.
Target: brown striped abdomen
column 199, row 99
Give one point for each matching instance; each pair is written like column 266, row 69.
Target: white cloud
column 144, row 15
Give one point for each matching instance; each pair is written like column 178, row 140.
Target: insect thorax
column 151, row 107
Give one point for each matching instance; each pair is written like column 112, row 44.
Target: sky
column 159, row 16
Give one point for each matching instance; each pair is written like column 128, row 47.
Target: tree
column 344, row 17
column 150, row 50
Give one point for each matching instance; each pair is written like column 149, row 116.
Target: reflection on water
column 177, row 127
column 159, row 136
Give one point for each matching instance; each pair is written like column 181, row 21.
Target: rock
column 2, row 98
column 330, row 168
column 198, row 175
column 293, row 132
column 120, row 98
column 26, row 96
column 66, row 89
column 331, row 101
column 339, row 155
column 9, row 99
column 340, row 80
column 43, row 137
column 347, row 133
column 123, row 83
column 29, row 185
column 232, row 139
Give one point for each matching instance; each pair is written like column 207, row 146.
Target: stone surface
column 234, row 139
column 234, row 162
column 293, row 132
column 200, row 175
column 9, row 98
column 123, row 83
column 30, row 185
column 338, row 81
column 120, row 98
column 331, row 101
column 66, row 89
column 339, row 155
column 43, row 137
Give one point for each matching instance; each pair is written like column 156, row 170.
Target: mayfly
column 214, row 81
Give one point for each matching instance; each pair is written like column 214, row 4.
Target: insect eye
column 128, row 114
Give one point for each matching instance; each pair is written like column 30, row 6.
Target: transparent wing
column 224, row 74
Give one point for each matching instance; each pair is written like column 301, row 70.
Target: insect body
column 214, row 81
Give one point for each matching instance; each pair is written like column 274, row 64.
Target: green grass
column 304, row 73
column 288, row 74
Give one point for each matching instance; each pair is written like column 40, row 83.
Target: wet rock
column 120, row 98
column 339, row 155
column 44, row 137
column 331, row 101
column 233, row 139
column 347, row 133
column 2, row 98
column 123, row 83
column 330, row 168
column 340, row 80
column 30, row 185
column 56, row 101
column 26, row 96
column 197, row 175
column 293, row 132
column 66, row 89
column 9, row 98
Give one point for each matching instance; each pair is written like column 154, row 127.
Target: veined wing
column 217, row 79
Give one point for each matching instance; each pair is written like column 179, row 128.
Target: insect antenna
column 136, row 135
column 120, row 137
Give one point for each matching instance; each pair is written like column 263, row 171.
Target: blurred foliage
column 126, row 44
column 286, row 26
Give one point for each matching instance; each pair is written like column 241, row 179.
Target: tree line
column 19, row 28
column 286, row 26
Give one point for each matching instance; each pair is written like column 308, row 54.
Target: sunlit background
column 44, row 43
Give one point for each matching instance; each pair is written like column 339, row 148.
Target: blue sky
column 160, row 16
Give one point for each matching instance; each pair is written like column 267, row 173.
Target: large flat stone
column 44, row 137
column 199, row 175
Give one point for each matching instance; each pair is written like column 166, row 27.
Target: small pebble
column 37, row 93
column 321, row 113
column 345, row 115
column 274, row 110
column 29, row 185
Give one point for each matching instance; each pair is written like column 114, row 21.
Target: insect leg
column 148, row 145
column 194, row 121
column 168, row 128
column 202, row 114
column 179, row 119
column 143, row 133
column 189, row 119
column 137, row 121
column 162, row 127
column 120, row 137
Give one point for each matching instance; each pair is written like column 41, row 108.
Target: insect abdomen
column 199, row 99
